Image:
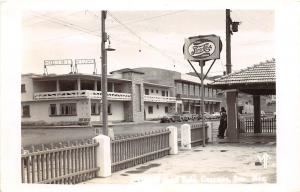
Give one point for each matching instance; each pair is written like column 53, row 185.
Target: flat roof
column 127, row 70
column 75, row 76
column 157, row 85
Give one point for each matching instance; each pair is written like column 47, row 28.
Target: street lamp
column 109, row 46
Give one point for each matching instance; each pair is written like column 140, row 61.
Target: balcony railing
column 196, row 97
column 81, row 94
column 157, row 98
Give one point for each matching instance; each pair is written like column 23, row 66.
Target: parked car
column 167, row 119
column 194, row 116
column 186, row 115
column 206, row 116
column 177, row 118
column 216, row 115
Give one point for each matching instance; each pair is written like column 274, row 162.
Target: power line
column 145, row 19
column 97, row 16
column 66, row 24
column 87, row 31
column 141, row 39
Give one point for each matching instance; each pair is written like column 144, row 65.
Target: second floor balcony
column 81, row 94
column 159, row 99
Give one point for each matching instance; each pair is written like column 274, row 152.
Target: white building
column 72, row 99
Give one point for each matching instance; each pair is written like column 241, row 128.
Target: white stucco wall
column 157, row 113
column 39, row 111
column 117, row 110
column 156, row 88
column 28, row 94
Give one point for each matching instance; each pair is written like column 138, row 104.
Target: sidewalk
column 220, row 163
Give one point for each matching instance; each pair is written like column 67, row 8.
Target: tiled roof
column 260, row 73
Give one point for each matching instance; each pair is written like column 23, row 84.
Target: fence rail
column 268, row 125
column 197, row 134
column 137, row 149
column 70, row 163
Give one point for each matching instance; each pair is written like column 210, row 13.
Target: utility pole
column 104, row 74
column 231, row 27
column 228, row 41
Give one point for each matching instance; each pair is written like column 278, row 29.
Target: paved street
column 34, row 136
column 220, row 163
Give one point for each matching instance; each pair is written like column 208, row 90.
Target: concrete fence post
column 186, row 136
column 103, row 155
column 111, row 133
column 173, row 140
column 210, row 132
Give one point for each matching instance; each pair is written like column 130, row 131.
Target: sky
column 142, row 38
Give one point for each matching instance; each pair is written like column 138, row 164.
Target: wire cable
column 141, row 39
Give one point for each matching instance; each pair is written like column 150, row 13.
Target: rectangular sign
column 202, row 47
column 58, row 62
column 85, row 61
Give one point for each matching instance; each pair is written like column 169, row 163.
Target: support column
column 232, row 118
column 256, row 104
column 89, row 110
column 57, row 85
column 95, row 85
column 78, row 84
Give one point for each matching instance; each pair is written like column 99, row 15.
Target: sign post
column 201, row 49
column 201, row 64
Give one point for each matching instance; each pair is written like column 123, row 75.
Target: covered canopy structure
column 257, row 80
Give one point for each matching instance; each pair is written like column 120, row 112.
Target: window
column 210, row 92
column 156, row 91
column 26, row 111
column 163, row 93
column 23, row 88
column 206, row 92
column 191, row 89
column 178, row 88
column 167, row 93
column 152, row 90
column 94, row 109
column 68, row 109
column 197, row 91
column 53, row 110
column 146, row 91
column 166, row 109
column 157, row 106
column 109, row 109
column 214, row 93
column 185, row 89
column 150, row 109
column 110, row 87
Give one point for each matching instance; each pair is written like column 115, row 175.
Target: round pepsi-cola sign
column 202, row 48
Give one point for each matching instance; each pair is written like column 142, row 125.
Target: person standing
column 223, row 123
